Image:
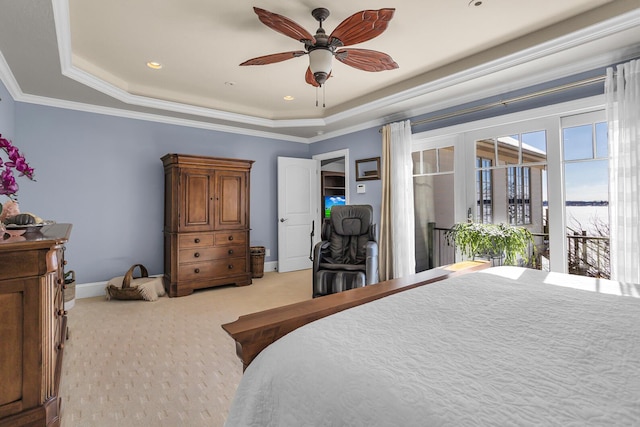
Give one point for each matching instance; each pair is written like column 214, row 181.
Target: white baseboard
column 271, row 266
column 89, row 290
column 96, row 289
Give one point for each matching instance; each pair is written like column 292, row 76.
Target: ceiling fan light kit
column 358, row 28
column 320, row 64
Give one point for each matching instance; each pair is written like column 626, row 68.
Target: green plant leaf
column 477, row 239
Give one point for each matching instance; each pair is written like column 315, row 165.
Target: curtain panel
column 622, row 93
column 397, row 230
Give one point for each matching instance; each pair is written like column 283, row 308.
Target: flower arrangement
column 17, row 162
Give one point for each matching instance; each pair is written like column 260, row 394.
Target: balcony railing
column 586, row 255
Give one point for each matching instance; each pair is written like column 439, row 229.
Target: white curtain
column 622, row 92
column 397, row 230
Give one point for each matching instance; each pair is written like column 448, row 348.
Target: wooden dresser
column 206, row 222
column 33, row 326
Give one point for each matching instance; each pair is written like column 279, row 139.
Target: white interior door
column 298, row 201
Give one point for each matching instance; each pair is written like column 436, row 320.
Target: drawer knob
column 64, row 262
column 230, row 251
column 60, row 346
column 230, row 266
column 197, row 254
column 197, row 240
column 230, row 237
column 59, row 281
column 197, row 270
column 61, row 312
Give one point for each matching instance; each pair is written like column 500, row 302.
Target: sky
column 586, row 165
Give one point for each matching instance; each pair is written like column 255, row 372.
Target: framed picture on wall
column 368, row 169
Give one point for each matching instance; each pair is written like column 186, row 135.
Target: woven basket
column 126, row 291
column 257, row 261
column 69, row 289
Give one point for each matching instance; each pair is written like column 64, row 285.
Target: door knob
column 283, row 219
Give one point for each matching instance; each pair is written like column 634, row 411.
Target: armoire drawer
column 210, row 253
column 230, row 238
column 195, row 240
column 212, row 269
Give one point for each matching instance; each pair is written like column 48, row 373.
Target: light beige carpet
column 163, row 363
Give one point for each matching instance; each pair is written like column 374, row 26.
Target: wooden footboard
column 253, row 332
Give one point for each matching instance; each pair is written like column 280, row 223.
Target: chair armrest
column 372, row 262
column 317, row 255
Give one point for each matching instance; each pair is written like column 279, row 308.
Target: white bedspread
column 476, row 350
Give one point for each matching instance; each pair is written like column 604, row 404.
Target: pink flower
column 8, row 184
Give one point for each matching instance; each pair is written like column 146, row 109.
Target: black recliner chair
column 347, row 256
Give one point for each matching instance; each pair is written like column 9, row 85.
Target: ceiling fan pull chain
column 324, row 96
column 316, row 96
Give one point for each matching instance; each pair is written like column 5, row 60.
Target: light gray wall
column 103, row 174
column 361, row 145
column 7, row 114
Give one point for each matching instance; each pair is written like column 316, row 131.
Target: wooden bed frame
column 254, row 332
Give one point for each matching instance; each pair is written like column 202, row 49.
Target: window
column 484, row 190
column 519, row 195
column 586, row 188
column 536, row 168
column 433, row 161
column 433, row 180
column 503, row 186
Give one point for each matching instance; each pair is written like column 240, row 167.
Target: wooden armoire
column 206, row 222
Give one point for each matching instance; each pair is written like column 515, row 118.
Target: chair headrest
column 351, row 220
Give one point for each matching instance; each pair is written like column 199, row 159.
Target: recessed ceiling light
column 154, row 65
column 230, row 83
column 289, row 98
column 475, row 3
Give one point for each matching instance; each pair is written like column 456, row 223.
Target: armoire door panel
column 196, row 214
column 230, row 201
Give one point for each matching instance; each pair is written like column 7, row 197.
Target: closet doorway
column 333, row 183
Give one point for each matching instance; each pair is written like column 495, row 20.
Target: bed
column 501, row 346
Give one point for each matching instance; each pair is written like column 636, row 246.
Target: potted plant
column 491, row 241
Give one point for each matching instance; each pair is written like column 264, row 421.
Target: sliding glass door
column 586, row 189
column 511, row 182
column 544, row 169
column 433, row 184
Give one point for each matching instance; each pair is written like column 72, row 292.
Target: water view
column 587, row 217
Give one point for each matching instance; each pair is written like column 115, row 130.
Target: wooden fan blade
column 274, row 57
column 308, row 77
column 362, row 26
column 366, row 60
column 284, row 25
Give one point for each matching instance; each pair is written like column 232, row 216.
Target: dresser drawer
column 212, row 269
column 195, row 240
column 19, row 264
column 210, row 253
column 230, row 238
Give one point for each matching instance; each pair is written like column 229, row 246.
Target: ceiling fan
column 357, row 28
